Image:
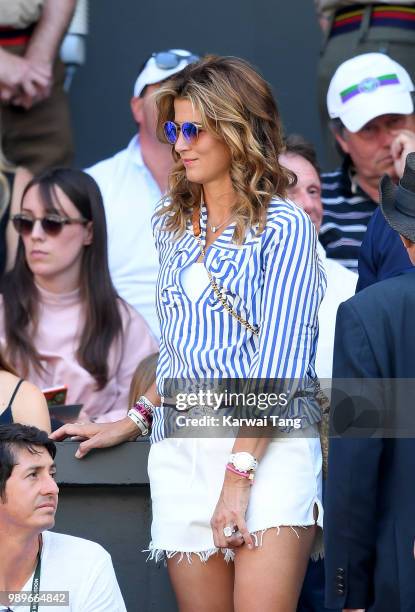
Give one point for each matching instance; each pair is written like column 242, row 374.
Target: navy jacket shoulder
column 382, row 254
column 369, row 528
column 385, row 313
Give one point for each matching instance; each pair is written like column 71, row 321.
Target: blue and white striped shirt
column 275, row 281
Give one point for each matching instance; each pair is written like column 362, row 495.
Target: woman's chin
column 193, row 176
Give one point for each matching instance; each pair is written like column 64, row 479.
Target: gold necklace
column 219, row 293
column 215, row 228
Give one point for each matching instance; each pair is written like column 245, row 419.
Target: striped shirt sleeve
column 293, row 288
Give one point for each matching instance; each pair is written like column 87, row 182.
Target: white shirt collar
column 134, row 151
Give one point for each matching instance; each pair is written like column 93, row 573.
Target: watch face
column 243, row 461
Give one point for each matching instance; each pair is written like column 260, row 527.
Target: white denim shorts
column 186, row 477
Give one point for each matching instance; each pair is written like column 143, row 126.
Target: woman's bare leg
column 269, row 578
column 202, row 587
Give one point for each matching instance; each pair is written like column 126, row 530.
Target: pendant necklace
column 215, row 228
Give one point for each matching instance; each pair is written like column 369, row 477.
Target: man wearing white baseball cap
column 370, row 104
column 132, row 182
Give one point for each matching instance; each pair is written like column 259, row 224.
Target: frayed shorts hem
column 159, row 555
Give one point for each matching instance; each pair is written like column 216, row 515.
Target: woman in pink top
column 61, row 321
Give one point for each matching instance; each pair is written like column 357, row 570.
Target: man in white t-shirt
column 34, row 562
column 132, row 182
column 300, row 158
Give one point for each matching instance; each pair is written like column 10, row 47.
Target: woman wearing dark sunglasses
column 60, row 317
column 238, row 293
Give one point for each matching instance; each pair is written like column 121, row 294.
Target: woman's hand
column 230, row 511
column 97, row 435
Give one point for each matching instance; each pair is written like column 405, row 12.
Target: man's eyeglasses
column 51, row 224
column 166, row 60
column 189, row 130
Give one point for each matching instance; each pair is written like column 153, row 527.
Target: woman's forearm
column 253, row 440
column 152, row 395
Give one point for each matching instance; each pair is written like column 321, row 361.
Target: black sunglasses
column 51, row 224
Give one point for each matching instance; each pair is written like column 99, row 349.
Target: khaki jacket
column 20, row 13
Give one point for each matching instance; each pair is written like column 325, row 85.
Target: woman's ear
column 89, row 234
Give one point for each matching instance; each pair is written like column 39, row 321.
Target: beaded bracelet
column 248, row 475
column 139, row 420
column 146, row 409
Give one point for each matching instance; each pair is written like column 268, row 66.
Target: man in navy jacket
column 370, row 498
column 382, row 254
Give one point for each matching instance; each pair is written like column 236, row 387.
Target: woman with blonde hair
column 20, row 401
column 237, row 296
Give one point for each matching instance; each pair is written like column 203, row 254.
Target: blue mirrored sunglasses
column 166, row 60
column 189, row 130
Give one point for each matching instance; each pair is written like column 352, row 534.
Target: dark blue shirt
column 382, row 254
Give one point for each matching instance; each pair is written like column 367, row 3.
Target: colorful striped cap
column 366, row 87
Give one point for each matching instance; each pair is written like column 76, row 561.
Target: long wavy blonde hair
column 236, row 104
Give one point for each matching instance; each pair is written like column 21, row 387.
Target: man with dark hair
column 32, row 559
column 369, row 101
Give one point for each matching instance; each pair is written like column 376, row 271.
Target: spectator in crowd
column 132, row 182
column 61, row 321
column 382, row 254
column 370, row 104
column 354, row 27
column 369, row 526
column 351, row 28
column 237, row 236
column 299, row 156
column 20, row 401
column 143, row 378
column 32, row 558
column 35, row 123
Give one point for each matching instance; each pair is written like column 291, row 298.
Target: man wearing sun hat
column 370, row 501
column 132, row 182
column 370, row 105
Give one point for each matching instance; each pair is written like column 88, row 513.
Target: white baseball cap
column 366, row 87
column 162, row 65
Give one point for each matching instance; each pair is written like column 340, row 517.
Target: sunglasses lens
column 170, row 131
column 166, row 60
column 189, row 131
column 51, row 226
column 22, row 225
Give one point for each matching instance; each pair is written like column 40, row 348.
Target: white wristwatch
column 243, row 462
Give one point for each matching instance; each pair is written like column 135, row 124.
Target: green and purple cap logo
column 368, row 85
